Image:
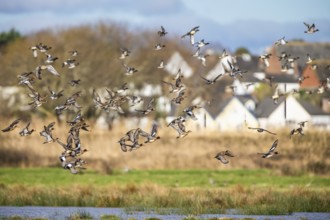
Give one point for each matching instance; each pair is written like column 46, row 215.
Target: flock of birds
column 70, row 157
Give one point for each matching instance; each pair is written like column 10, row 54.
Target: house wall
column 177, row 62
column 204, row 121
column 234, row 116
column 321, row 121
column 294, row 113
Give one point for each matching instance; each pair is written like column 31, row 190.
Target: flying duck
column 50, row 58
column 49, row 68
column 159, row 46
column 189, row 111
column 271, row 151
column 47, row 133
column 191, row 34
column 221, row 156
column 210, row 82
column 310, row 28
column 55, row 95
column 201, row 43
column 162, row 32
column 12, row 126
column 124, row 53
column 26, row 131
column 161, row 65
column 149, row 108
column 281, row 41
column 265, row 58
column 261, row 130
column 129, row 70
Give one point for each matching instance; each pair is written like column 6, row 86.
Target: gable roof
column 247, row 97
column 249, row 63
column 284, row 78
column 311, row 109
column 216, row 107
column 322, row 70
column 177, row 62
column 299, row 49
column 267, row 106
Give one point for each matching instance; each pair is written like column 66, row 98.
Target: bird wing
column 35, row 53
column 273, row 147
column 204, row 78
column 123, row 147
column 154, row 130
column 266, row 62
column 62, row 144
column 168, row 83
column 229, row 153
column 222, row 159
column 150, row 104
column 269, row 132
column 52, row 70
column 217, row 77
column 15, row 122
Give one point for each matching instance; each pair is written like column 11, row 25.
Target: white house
column 228, row 115
column 290, row 111
column 177, row 62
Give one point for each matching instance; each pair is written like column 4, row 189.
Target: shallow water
column 65, row 212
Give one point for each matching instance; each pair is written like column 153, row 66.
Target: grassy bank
column 57, row 177
column 188, row 191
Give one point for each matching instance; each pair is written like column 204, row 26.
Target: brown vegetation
column 309, row 153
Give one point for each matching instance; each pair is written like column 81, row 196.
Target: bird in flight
column 211, row 81
column 271, row 151
column 191, row 34
column 262, row 130
column 310, row 28
column 12, row 126
column 221, row 156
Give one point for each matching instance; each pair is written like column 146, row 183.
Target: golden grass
column 310, row 153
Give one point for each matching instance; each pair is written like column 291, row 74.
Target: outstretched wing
column 222, row 159
column 269, row 132
column 273, row 147
column 217, row 77
column 52, row 70
column 229, row 153
column 307, row 25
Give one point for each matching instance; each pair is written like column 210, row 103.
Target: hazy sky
column 219, row 20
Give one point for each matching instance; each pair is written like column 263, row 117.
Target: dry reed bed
column 309, row 153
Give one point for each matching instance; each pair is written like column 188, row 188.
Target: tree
column 241, row 50
column 7, row 37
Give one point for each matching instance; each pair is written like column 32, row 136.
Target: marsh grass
column 81, row 215
column 298, row 155
column 110, row 217
column 266, row 194
column 20, row 218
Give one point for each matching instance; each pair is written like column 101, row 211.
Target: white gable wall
column 204, row 121
column 234, row 116
column 294, row 113
column 177, row 62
